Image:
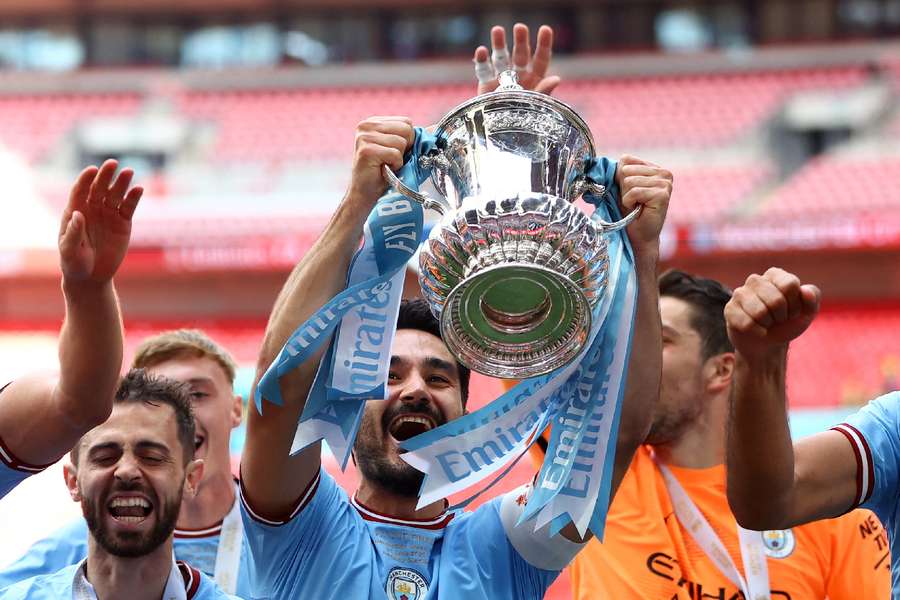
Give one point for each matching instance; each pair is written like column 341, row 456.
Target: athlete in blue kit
column 856, row 463
column 209, row 532
column 129, row 475
column 308, row 539
column 41, row 415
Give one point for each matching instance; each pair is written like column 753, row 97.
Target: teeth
column 130, row 519
column 412, row 419
column 125, row 502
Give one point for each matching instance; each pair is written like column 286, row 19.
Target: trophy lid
column 510, row 92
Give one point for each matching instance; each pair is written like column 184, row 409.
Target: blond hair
column 182, row 343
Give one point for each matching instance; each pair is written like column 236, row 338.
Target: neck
column 702, row 444
column 140, row 578
column 401, row 507
column 212, row 503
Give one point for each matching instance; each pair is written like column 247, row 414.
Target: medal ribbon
column 753, row 553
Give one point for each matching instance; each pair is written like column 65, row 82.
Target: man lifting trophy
column 518, row 282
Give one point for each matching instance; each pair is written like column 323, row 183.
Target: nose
column 415, row 389
column 127, row 469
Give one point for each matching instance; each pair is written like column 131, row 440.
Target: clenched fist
column 769, row 311
column 379, row 141
column 649, row 185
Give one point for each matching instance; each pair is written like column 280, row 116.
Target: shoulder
column 53, row 585
column 206, row 589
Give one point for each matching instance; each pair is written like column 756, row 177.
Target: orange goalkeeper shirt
column 647, row 554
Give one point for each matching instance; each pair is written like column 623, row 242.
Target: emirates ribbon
column 582, row 400
column 354, row 367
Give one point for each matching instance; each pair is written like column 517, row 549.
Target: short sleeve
column 280, row 551
column 65, row 546
column 501, row 564
column 13, row 471
column 874, row 436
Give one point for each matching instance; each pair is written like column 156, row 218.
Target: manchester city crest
column 405, row 584
column 779, row 543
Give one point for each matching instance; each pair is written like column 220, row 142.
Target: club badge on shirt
column 779, row 543
column 405, row 584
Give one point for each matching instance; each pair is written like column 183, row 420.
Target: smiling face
column 423, row 393
column 216, row 409
column 130, row 478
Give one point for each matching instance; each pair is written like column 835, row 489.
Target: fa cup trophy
column 514, row 268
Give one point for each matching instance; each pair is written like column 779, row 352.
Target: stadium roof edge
column 650, row 64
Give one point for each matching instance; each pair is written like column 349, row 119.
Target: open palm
column 96, row 224
column 531, row 70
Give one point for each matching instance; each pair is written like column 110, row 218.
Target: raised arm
column 41, row 417
column 773, row 483
column 272, row 480
column 642, row 183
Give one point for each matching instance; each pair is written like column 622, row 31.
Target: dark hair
column 415, row 314
column 138, row 386
column 707, row 298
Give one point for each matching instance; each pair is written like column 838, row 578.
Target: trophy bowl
column 514, row 268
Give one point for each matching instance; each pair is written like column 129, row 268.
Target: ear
column 719, row 372
column 70, row 474
column 193, row 473
column 237, row 411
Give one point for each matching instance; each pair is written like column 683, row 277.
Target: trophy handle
column 426, row 201
column 605, row 226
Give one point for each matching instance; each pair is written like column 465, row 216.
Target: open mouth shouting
column 129, row 509
column 402, row 427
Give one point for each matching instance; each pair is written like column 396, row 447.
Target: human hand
column 646, row 184
column 96, row 224
column 769, row 311
column 532, row 71
column 379, row 141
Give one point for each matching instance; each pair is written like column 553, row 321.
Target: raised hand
column 379, row 141
column 769, row 311
column 96, row 223
column 532, row 70
column 644, row 183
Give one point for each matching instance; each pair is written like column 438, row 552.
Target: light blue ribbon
column 370, row 275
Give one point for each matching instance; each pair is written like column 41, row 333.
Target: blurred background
column 779, row 118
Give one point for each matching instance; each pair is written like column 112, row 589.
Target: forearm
column 90, row 354
column 273, row 480
column 644, row 367
column 760, row 451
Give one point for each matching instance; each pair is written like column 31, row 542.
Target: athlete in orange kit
column 649, row 551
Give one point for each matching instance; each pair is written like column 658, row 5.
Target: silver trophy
column 513, row 269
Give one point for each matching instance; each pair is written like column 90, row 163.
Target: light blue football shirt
column 874, row 435
column 59, row 585
column 68, row 546
column 334, row 547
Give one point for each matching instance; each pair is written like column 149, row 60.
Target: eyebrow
column 670, row 331
column 142, row 445
column 431, row 362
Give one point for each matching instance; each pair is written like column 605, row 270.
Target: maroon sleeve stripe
column 301, row 503
column 9, row 459
column 865, row 469
column 869, row 462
